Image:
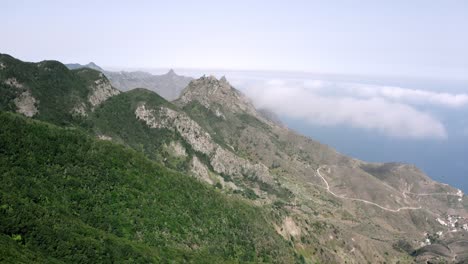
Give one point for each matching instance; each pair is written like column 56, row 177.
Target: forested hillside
column 66, row 197
column 96, row 175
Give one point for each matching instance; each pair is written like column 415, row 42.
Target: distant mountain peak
column 171, row 72
column 215, row 94
column 91, row 65
column 223, row 79
column 94, row 66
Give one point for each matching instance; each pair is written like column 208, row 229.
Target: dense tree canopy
column 66, row 197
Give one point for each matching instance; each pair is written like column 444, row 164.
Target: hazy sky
column 411, row 38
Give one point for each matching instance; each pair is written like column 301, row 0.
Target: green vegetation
column 57, row 89
column 222, row 129
column 116, row 118
column 403, row 246
column 66, row 197
column 213, row 124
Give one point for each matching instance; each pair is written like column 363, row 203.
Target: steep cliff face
column 100, row 91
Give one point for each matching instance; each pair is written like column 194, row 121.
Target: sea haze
column 378, row 119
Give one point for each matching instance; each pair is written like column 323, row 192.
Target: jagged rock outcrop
column 100, row 91
column 168, row 118
column 25, row 103
column 223, row 161
column 212, row 93
column 13, row 83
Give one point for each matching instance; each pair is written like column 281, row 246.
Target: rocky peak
column 171, row 72
column 101, row 90
column 94, row 66
column 91, row 65
column 215, row 94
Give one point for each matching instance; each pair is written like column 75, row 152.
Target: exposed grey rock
column 104, row 137
column 223, row 161
column 289, row 228
column 173, row 120
column 13, row 83
column 210, row 93
column 80, row 110
column 177, row 149
column 101, row 90
column 201, row 171
column 26, row 104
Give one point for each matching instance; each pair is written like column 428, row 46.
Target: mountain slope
column 168, row 85
column 49, row 91
column 75, row 199
column 331, row 208
column 385, row 202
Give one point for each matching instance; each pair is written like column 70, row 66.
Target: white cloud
column 371, row 109
column 412, row 96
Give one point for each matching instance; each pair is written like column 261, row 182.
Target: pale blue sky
column 410, row 38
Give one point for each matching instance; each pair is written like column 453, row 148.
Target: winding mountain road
column 432, row 194
column 362, row 200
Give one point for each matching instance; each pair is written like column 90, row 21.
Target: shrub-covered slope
column 66, row 197
column 115, row 119
column 329, row 207
column 50, row 91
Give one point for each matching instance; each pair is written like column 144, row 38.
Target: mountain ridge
column 214, row 133
column 168, row 85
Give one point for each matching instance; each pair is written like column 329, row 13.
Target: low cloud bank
column 412, row 96
column 389, row 110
